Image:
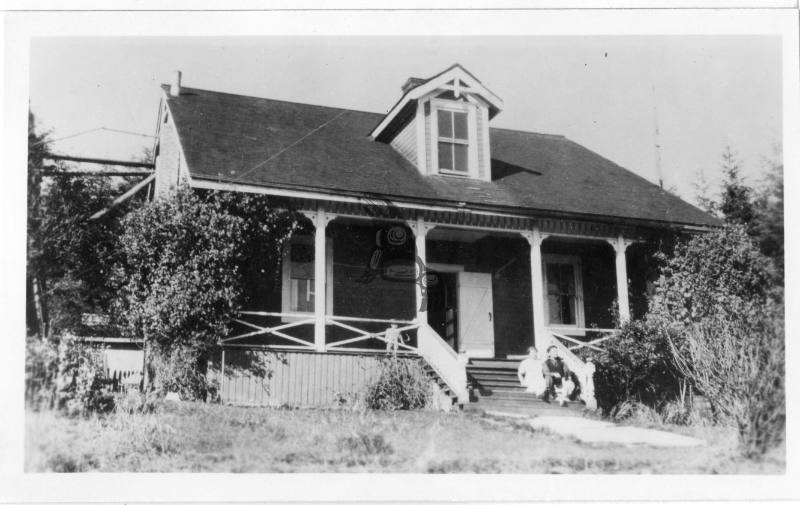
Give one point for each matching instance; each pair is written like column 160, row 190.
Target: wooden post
column 535, row 239
column 620, row 245
column 420, row 232
column 320, row 219
column 222, row 377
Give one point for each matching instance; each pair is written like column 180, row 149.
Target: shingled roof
column 269, row 143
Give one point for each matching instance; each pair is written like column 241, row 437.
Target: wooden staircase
column 434, row 376
column 495, row 387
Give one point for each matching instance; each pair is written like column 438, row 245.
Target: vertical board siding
column 428, row 147
column 406, row 142
column 299, row 379
column 482, row 142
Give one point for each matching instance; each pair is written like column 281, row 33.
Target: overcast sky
column 602, row 92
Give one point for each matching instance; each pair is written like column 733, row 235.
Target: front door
column 475, row 326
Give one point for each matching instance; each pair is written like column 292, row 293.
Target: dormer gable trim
column 456, row 79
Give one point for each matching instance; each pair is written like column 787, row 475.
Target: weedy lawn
column 196, row 437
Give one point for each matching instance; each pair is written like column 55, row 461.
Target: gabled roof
column 275, row 144
column 456, row 74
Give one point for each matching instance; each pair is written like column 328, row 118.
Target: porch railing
column 450, row 365
column 287, row 321
column 584, row 370
column 414, row 338
column 573, row 343
column 289, row 330
column 395, row 339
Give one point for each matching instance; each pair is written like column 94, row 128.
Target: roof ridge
column 166, row 86
column 550, row 135
column 228, row 93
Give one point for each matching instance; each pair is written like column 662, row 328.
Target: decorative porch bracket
column 620, row 245
column 320, row 219
column 421, row 229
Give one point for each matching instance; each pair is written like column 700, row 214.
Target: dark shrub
column 637, row 366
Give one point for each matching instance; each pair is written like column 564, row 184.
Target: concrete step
column 526, row 409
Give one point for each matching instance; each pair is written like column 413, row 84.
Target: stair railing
column 584, row 370
column 451, row 366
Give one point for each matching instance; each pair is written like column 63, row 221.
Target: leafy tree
column 720, row 306
column 69, row 256
column 718, row 271
column 35, row 283
column 180, row 277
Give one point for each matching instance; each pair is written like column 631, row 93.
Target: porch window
column 563, row 291
column 453, row 141
column 298, row 275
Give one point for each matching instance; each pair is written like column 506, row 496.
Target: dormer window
column 441, row 124
column 454, row 133
column 453, row 141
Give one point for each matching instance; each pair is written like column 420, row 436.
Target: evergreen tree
column 736, row 204
column 767, row 225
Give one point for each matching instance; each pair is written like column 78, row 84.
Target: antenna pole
column 657, row 141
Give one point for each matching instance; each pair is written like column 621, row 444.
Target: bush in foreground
column 738, row 363
column 81, row 387
column 636, row 367
column 401, row 385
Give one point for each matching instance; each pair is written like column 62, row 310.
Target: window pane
column 445, row 156
column 554, row 309
column 302, row 252
column 445, row 123
column 561, row 293
column 460, row 162
column 460, row 125
column 302, row 296
column 566, row 309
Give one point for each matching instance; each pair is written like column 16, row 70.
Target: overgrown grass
column 196, row 437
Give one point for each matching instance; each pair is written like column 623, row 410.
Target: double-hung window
column 563, row 286
column 301, row 276
column 453, row 141
column 298, row 277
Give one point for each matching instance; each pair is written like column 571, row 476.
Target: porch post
column 420, row 233
column 535, row 239
column 320, row 219
column 620, row 245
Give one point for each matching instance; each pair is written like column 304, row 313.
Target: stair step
column 501, row 372
column 502, row 365
column 480, row 377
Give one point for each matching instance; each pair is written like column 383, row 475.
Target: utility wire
column 49, row 141
column 262, row 163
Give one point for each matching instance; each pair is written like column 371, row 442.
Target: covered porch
column 446, row 286
column 486, row 291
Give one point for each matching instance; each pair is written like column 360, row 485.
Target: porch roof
column 269, row 143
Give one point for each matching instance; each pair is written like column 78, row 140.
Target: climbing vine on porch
column 181, row 277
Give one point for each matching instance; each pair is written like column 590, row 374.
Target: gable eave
column 434, row 83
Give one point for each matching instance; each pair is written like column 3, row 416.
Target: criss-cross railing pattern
column 398, row 338
column 286, row 321
column 573, row 344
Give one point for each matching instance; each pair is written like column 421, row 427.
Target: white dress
column 532, row 377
